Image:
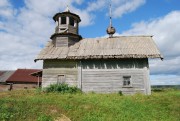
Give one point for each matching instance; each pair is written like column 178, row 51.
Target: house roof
column 37, row 73
column 23, row 75
column 96, row 48
column 4, row 75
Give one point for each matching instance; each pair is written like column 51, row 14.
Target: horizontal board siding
column 59, row 64
column 60, row 71
column 110, row 81
column 99, row 78
column 106, row 76
column 61, row 41
column 66, row 67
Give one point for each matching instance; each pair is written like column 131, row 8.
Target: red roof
column 24, row 75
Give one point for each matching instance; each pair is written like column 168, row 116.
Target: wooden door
column 61, row 79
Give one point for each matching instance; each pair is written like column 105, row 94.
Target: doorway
column 60, row 79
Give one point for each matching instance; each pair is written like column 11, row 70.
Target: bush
column 62, row 88
column 120, row 93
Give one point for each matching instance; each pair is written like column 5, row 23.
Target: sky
column 26, row 26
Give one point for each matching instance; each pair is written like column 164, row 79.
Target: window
column 71, row 21
column 60, row 79
column 126, row 81
column 63, row 20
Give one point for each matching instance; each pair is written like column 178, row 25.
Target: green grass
column 33, row 105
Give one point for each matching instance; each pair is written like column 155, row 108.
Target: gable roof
column 4, row 75
column 23, row 75
column 96, row 48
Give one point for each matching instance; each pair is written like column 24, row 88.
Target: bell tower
column 67, row 29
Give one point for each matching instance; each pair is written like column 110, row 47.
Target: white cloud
column 165, row 31
column 4, row 3
column 87, row 18
column 97, row 5
column 6, row 9
column 17, row 52
column 119, row 7
column 23, row 35
column 46, row 9
column 126, row 6
column 166, row 35
column 24, row 30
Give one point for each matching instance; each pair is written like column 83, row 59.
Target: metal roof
column 23, row 75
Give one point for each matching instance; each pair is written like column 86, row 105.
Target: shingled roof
column 96, row 48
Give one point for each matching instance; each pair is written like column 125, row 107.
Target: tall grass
column 62, row 88
column 32, row 105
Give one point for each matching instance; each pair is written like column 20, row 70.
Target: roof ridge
column 120, row 36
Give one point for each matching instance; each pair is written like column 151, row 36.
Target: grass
column 34, row 105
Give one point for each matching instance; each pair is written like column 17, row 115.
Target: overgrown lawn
column 33, row 105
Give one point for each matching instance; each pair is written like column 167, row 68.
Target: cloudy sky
column 26, row 25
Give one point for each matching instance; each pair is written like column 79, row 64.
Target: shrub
column 62, row 88
column 120, row 93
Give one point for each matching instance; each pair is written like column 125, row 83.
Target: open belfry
column 103, row 65
column 66, row 31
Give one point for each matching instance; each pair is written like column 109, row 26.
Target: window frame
column 127, row 82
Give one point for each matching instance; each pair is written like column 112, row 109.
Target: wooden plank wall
column 72, row 29
column 61, row 41
column 53, row 68
column 102, row 76
column 106, row 76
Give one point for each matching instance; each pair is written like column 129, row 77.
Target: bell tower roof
column 66, row 13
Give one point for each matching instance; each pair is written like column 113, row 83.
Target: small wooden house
column 103, row 65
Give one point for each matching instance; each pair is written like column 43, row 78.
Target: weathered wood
column 53, row 68
column 80, row 75
column 107, row 75
column 102, row 76
column 116, row 47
